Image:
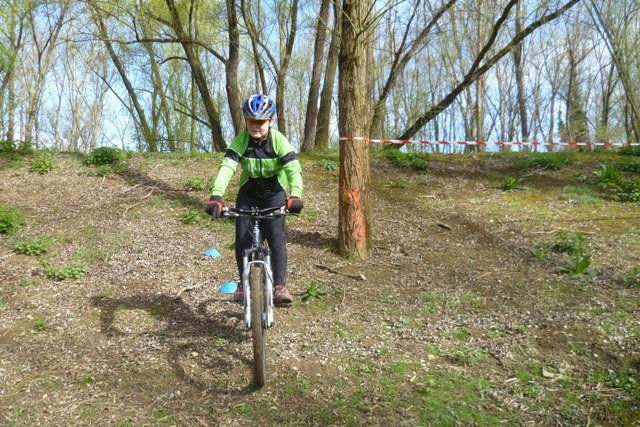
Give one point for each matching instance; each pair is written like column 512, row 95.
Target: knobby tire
column 258, row 327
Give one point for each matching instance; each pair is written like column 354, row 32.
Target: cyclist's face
column 258, row 129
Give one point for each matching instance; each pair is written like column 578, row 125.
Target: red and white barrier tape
column 498, row 143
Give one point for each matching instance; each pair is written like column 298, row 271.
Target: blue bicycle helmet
column 259, row 107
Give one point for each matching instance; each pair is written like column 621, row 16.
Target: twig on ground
column 130, row 188
column 330, row 270
column 188, row 288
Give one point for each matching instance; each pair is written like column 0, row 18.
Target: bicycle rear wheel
column 258, row 326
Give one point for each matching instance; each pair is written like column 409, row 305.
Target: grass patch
column 62, row 272
column 632, row 278
column 42, row 163
column 11, row 219
column 24, row 282
column 195, row 183
column 582, row 194
column 164, row 418
column 33, row 246
column 99, row 247
column 570, row 243
column 404, row 393
column 608, row 173
column 577, row 267
column 327, row 164
column 431, row 303
column 616, row 186
column 40, row 324
column 629, row 165
column 466, row 356
column 623, row 189
column 553, row 161
column 104, row 156
column 415, row 161
column 630, row 151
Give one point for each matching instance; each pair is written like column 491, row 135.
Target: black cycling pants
column 272, row 231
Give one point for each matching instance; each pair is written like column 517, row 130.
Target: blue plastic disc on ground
column 212, row 252
column 229, row 288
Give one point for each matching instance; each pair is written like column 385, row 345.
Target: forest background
column 170, row 75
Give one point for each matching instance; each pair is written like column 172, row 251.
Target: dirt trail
column 452, row 292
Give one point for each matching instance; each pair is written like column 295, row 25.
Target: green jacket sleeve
column 294, row 178
column 229, row 165
column 225, row 173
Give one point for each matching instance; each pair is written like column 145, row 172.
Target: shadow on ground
column 165, row 190
column 192, row 337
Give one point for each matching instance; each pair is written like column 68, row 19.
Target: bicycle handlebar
column 228, row 212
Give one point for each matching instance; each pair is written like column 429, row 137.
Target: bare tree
column 285, row 13
column 260, row 79
column 401, row 57
column 613, row 44
column 149, row 134
column 477, row 70
column 45, row 42
column 14, row 25
column 324, row 112
column 199, row 76
column 308, row 141
column 518, row 60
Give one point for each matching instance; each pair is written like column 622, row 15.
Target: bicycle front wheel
column 258, row 325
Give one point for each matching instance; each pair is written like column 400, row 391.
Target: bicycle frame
column 257, row 254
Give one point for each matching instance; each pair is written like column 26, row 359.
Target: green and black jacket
column 267, row 168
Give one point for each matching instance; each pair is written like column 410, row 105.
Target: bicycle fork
column 268, row 317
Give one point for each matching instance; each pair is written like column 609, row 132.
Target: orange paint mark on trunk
column 357, row 217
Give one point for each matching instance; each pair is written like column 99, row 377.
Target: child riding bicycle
column 269, row 169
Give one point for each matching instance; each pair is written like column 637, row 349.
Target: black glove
column 294, row 205
column 214, row 207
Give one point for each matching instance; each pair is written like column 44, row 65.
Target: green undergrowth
column 401, row 392
column 553, row 161
column 11, row 219
column 33, row 246
column 414, row 161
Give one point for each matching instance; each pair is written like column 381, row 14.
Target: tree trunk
column 308, row 142
column 607, row 93
column 199, row 76
column 281, row 80
column 354, row 222
column 519, row 72
column 231, row 68
column 324, row 113
column 261, row 81
column 8, row 80
column 193, row 134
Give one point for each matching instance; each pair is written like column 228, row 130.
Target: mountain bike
column 257, row 282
